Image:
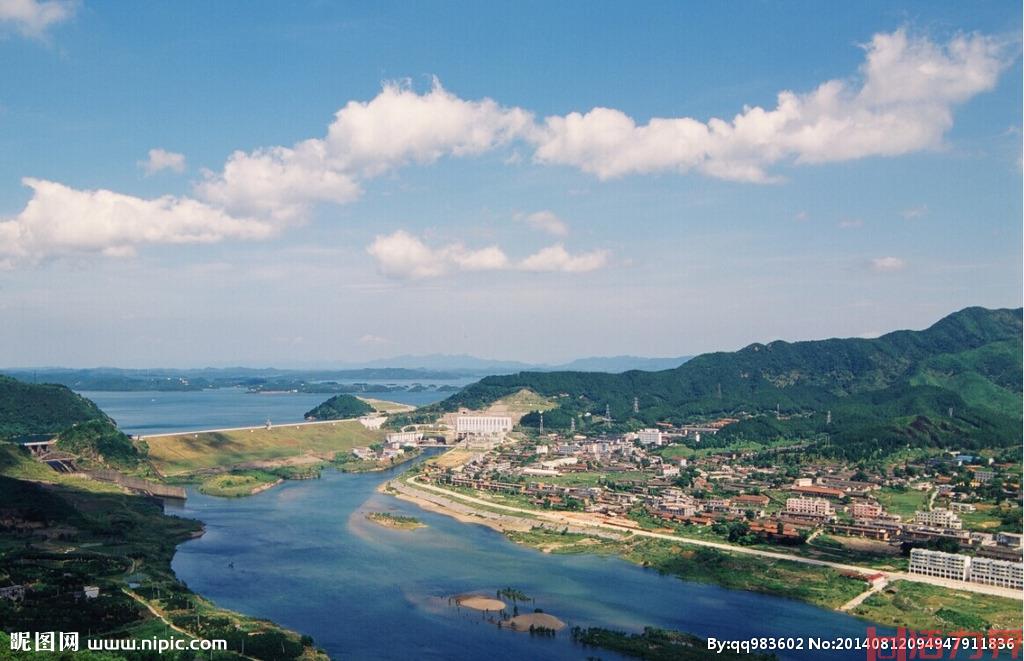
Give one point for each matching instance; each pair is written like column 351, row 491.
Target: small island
column 395, row 521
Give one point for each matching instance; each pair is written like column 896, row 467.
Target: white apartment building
column 958, row 567
column 650, row 437
column 942, row 565
column 405, row 437
column 939, row 518
column 809, row 507
column 483, row 424
column 1002, row 573
column 866, row 510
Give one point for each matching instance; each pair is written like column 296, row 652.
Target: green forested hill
column 896, row 389
column 339, row 407
column 28, row 408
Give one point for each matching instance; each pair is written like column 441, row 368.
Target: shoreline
column 643, row 549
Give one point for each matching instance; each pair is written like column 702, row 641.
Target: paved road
column 577, row 519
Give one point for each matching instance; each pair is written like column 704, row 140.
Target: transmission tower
column 541, row 423
column 572, row 426
column 608, row 415
column 636, row 405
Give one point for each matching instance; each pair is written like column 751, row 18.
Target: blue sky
column 457, row 204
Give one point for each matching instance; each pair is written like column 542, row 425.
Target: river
column 304, row 555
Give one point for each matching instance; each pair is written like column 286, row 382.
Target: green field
column 922, row 606
column 236, row 485
column 187, row 453
column 903, row 503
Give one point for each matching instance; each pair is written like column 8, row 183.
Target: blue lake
column 305, row 556
column 152, row 412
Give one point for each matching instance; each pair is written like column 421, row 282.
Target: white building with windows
column 957, row 567
column 650, row 437
column 941, row 565
column 938, row 518
column 483, row 424
column 1002, row 573
column 405, row 437
column 809, row 507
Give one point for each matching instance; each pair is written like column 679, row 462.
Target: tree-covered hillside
column 339, row 407
column 958, row 381
column 28, row 408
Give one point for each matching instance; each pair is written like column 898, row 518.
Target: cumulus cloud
column 887, row 264
column 402, row 256
column 32, row 18
column 366, row 139
column 903, row 103
column 557, row 258
column 546, row 221
column 59, row 220
column 161, row 159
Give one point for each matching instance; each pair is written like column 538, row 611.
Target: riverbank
column 743, row 569
column 57, row 540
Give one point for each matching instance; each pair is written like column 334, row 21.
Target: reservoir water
column 304, row 556
column 154, row 412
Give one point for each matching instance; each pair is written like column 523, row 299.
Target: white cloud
column 851, row 223
column 546, row 221
column 557, row 258
column 887, row 264
column 801, row 216
column 161, row 159
column 32, row 18
column 366, row 139
column 59, row 220
column 903, row 104
column 915, row 212
column 402, row 256
column 373, row 340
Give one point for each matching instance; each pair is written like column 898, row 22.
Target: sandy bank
column 479, row 603
column 524, row 622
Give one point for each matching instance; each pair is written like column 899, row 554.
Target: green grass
column 395, row 521
column 237, row 484
column 187, row 453
column 923, row 606
column 903, row 503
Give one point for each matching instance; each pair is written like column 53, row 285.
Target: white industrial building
column 405, row 437
column 483, row 424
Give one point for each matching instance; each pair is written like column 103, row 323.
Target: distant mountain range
column 466, row 363
column 957, row 383
column 428, row 368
